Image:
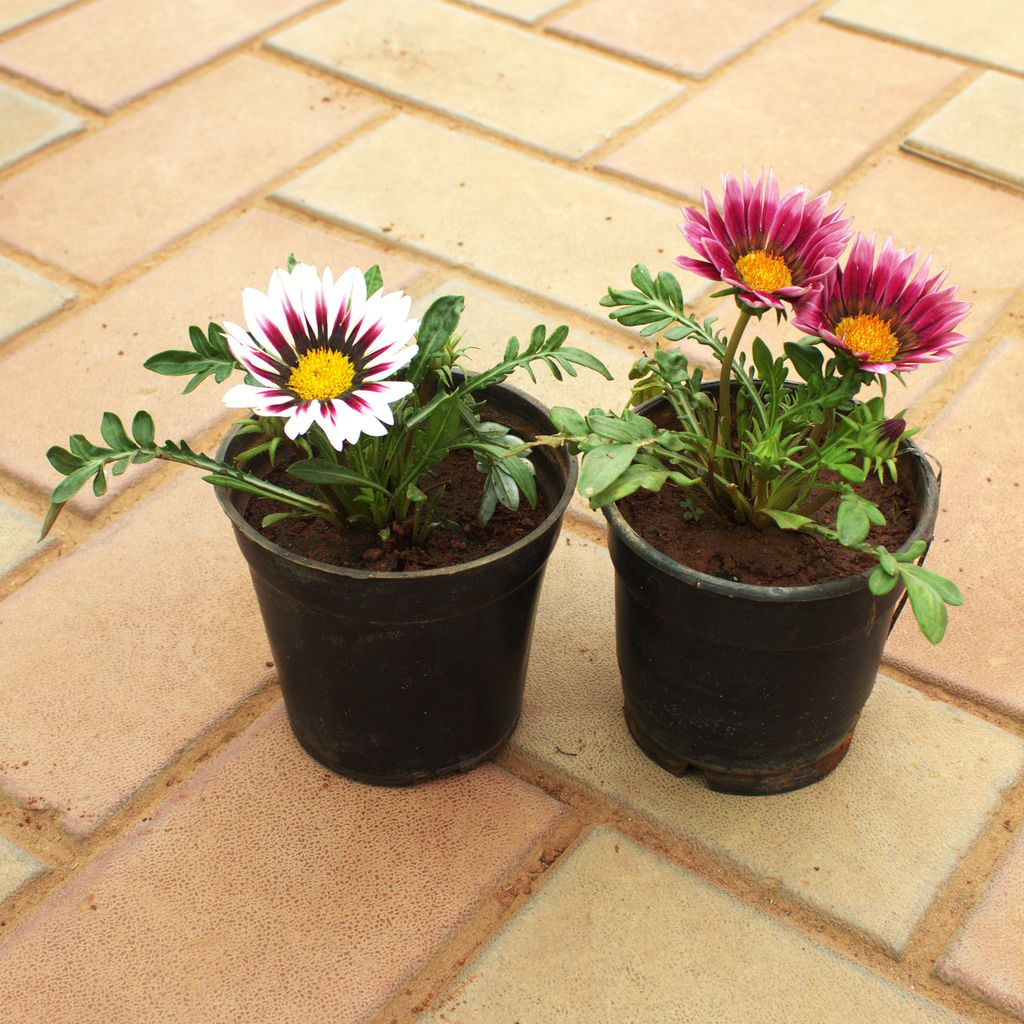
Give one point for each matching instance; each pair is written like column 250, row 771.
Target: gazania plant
column 774, row 439
column 364, row 400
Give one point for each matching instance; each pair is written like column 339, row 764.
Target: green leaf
column 633, row 479
column 521, row 471
column 99, row 483
column 437, row 326
column 113, row 432
column 374, row 280
column 51, row 517
column 321, row 471
column 600, row 467
column 881, row 582
column 807, row 360
column 945, row 588
column 511, row 350
column 176, row 362
column 71, row 484
column 625, row 429
column 580, row 357
column 143, row 429
column 763, row 361
column 569, row 421
column 62, row 460
column 277, row 517
column 414, row 494
column 641, row 277
column 927, row 605
column 786, row 520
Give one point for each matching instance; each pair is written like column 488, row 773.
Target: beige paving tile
column 29, row 124
column 254, row 119
column 267, row 889
column 845, row 92
column 555, row 233
column 688, row 36
column 978, row 130
column 107, row 53
column 970, row 228
column 26, row 298
column 620, row 934
column 18, row 535
column 203, row 282
column 985, row 955
column 16, row 868
column 869, row 846
column 523, row 10
column 124, row 652
column 978, row 440
column 528, row 87
column 17, row 12
column 988, row 31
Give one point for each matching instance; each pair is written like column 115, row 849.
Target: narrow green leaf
column 321, row 471
column 374, row 280
column 71, row 484
column 176, row 363
column 763, row 361
column 580, row 357
column 786, row 520
column 51, row 517
column 511, row 350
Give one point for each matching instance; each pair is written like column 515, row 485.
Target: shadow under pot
column 756, row 687
column 392, row 678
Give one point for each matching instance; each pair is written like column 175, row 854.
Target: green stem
column 725, row 380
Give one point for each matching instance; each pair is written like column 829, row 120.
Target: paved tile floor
column 167, row 853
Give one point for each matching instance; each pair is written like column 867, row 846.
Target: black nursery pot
column 392, row 678
column 758, row 688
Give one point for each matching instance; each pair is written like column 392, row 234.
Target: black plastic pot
column 393, row 678
column 758, row 688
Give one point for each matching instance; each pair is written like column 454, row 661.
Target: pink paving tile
column 268, row 889
column 122, row 653
column 195, row 151
column 978, row 542
column 986, row 954
column 203, row 282
column 690, row 36
column 109, row 52
column 16, row 12
column 812, row 104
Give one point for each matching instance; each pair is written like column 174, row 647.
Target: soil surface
column 459, row 538
column 769, row 557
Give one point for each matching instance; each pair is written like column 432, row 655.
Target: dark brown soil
column 459, row 538
column 768, row 557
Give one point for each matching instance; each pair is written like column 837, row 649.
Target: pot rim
column 928, row 502
column 239, row 522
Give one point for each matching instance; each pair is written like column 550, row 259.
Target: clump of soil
column 768, row 557
column 459, row 538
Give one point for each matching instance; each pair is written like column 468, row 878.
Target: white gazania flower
column 322, row 352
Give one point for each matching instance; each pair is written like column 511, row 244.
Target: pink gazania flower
column 883, row 313
column 322, row 352
column 772, row 248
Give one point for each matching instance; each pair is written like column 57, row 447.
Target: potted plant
column 754, row 585
column 396, row 529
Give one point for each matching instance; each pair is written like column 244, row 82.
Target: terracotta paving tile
column 850, row 92
column 125, row 651
column 523, row 10
column 16, row 868
column 620, row 934
column 377, row 184
column 515, row 82
column 869, row 846
column 978, row 440
column 962, row 223
column 18, row 535
column 977, row 131
column 985, row 956
column 255, row 119
column 26, row 298
column 203, row 282
column 988, row 31
column 682, row 35
column 111, row 51
column 17, row 12
column 29, row 124
column 269, row 889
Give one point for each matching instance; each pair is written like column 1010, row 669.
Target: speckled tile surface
column 268, row 889
column 16, row 868
column 978, row 130
column 619, row 934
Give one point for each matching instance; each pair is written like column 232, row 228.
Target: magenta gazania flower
column 885, row 314
column 322, row 351
column 772, row 248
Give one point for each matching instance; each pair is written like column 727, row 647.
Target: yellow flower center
column 321, row 374
column 869, row 335
column 764, row 272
